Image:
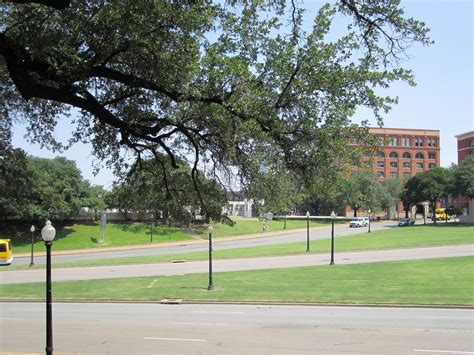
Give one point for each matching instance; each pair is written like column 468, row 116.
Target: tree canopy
column 34, row 188
column 157, row 188
column 462, row 182
column 215, row 84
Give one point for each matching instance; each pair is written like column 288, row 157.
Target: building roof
column 469, row 134
column 414, row 131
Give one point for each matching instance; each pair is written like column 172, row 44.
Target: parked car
column 359, row 222
column 405, row 222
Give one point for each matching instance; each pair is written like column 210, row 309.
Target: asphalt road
column 276, row 262
column 201, row 245
column 101, row 328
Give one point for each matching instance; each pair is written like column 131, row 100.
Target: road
column 101, row 328
column 275, row 262
column 201, row 245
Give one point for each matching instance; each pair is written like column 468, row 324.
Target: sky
column 441, row 100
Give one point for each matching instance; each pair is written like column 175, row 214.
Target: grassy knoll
column 448, row 281
column 81, row 236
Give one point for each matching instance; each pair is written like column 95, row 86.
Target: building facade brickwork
column 465, row 145
column 404, row 152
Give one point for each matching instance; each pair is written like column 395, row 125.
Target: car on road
column 405, row 222
column 359, row 222
column 6, row 255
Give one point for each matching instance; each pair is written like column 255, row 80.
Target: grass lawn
column 448, row 281
column 392, row 238
column 81, row 236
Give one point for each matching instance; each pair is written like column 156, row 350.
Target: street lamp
column 307, row 231
column 48, row 233
column 369, row 220
column 32, row 230
column 355, row 210
column 210, row 229
column 333, row 217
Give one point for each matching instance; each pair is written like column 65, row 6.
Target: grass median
column 391, row 238
column 448, row 281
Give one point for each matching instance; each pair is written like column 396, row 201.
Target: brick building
column 404, row 152
column 465, row 145
column 465, row 149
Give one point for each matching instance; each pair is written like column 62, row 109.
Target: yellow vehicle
column 6, row 255
column 441, row 214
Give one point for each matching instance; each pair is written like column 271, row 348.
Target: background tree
column 16, row 184
column 155, row 187
column 95, row 198
column 429, row 185
column 276, row 189
column 462, row 180
column 365, row 191
column 236, row 83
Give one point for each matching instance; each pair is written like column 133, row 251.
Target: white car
column 359, row 222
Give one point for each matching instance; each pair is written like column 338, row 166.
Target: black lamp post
column 211, row 286
column 333, row 217
column 369, row 221
column 355, row 210
column 307, row 231
column 32, row 230
column 48, row 233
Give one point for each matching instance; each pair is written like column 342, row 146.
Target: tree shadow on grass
column 20, row 234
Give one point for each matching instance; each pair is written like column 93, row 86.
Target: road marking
column 444, row 330
column 443, row 317
column 443, row 351
column 200, row 323
column 174, row 339
column 218, row 312
column 12, row 318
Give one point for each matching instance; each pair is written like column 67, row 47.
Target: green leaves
column 238, row 83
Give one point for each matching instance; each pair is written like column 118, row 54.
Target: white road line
column 444, row 330
column 12, row 318
column 218, row 312
column 174, row 339
column 443, row 317
column 443, row 351
column 200, row 323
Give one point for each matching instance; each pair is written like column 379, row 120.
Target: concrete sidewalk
column 223, row 265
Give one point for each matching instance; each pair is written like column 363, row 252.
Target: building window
column 431, row 142
column 380, row 164
column 380, row 154
column 431, row 155
column 419, row 156
column 406, row 155
column 406, row 141
column 366, row 154
column 471, row 143
column 393, row 164
column 419, row 165
column 418, row 142
column 367, row 163
column 406, row 174
column 406, row 165
column 393, row 141
column 393, row 155
column 380, row 174
column 393, row 174
column 431, row 165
